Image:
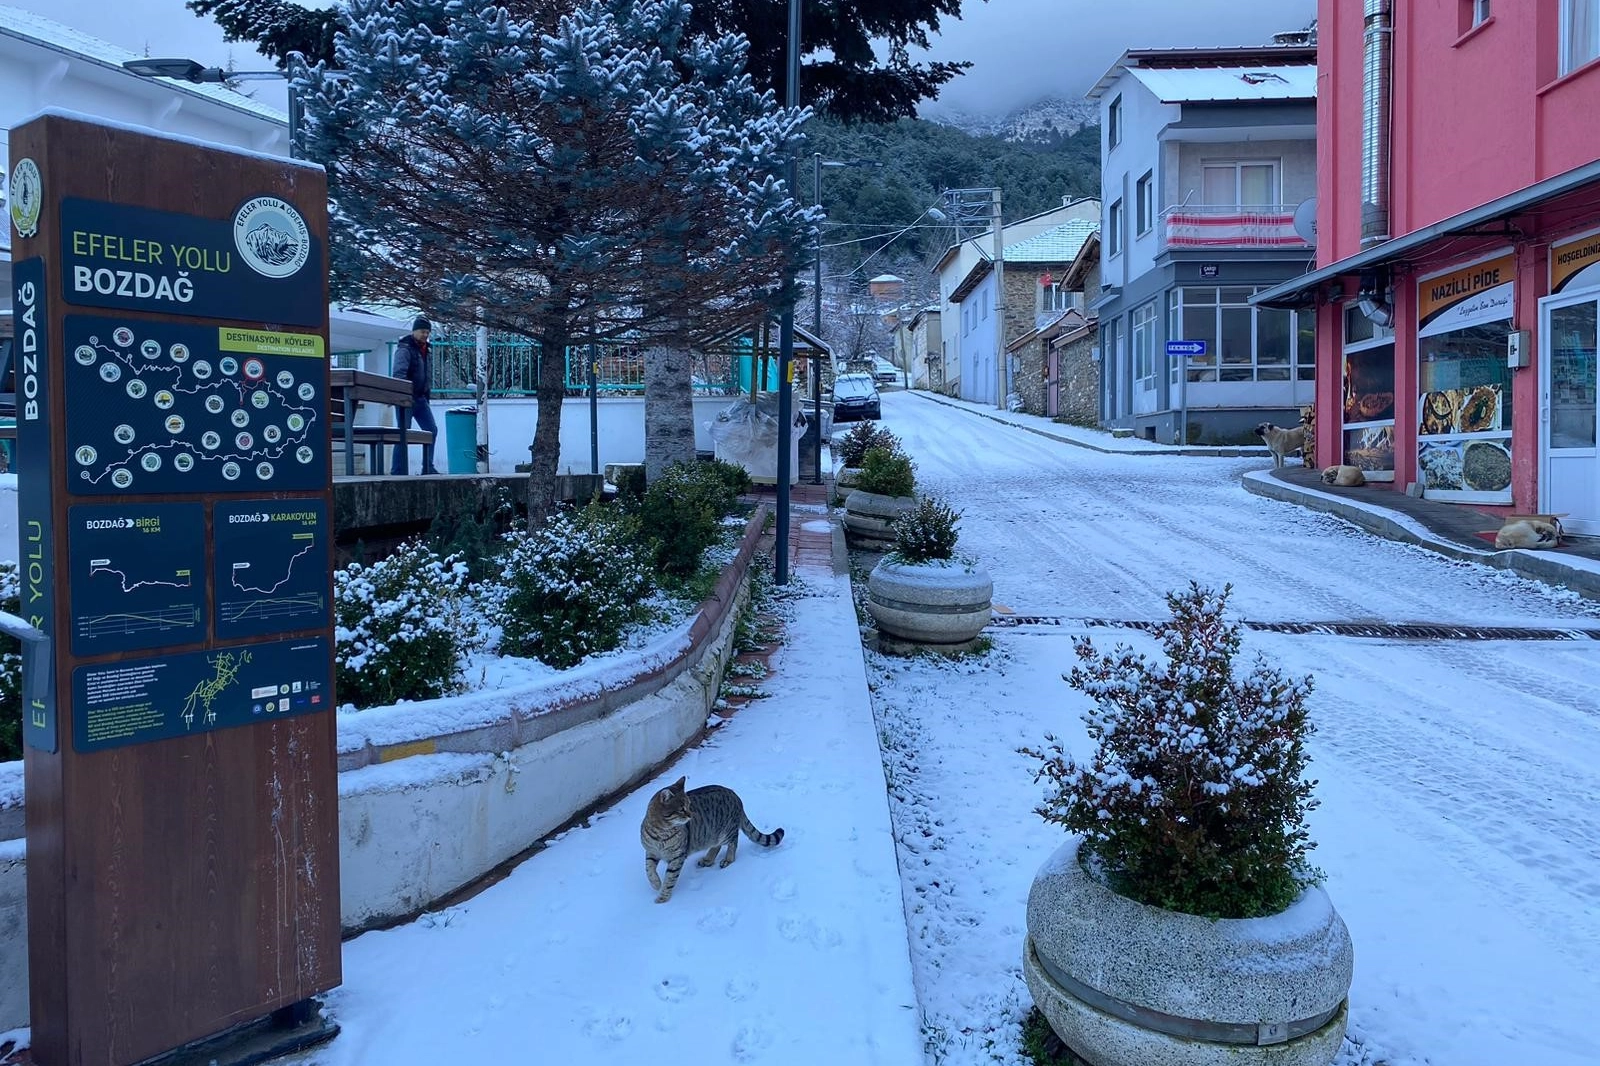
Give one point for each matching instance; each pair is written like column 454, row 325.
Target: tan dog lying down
column 1344, row 477
column 1527, row 533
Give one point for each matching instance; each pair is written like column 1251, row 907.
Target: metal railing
column 1202, row 226
column 514, row 369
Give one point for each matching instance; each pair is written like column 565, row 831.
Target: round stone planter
column 869, row 519
column 848, row 476
column 1124, row 983
column 941, row 604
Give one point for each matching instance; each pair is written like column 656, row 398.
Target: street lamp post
column 786, row 331
column 190, row 71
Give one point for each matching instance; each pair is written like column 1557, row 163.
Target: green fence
column 514, row 369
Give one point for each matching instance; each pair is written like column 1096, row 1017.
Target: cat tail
column 766, row 840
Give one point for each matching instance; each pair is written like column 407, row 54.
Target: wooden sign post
column 174, row 490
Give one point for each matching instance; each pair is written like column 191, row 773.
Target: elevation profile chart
column 138, row 576
column 272, row 571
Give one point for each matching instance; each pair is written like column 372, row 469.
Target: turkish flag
column 1046, row 281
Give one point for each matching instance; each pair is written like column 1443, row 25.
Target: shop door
column 1569, row 479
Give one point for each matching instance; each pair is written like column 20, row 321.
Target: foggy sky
column 1022, row 50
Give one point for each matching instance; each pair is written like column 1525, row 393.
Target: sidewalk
column 1096, row 440
column 793, row 956
column 1449, row 529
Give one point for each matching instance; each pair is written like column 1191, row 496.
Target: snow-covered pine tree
column 858, row 65
column 555, row 175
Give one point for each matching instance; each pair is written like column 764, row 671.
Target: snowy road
column 1460, row 781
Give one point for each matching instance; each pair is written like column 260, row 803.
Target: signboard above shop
column 262, row 264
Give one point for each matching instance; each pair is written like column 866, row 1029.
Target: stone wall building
column 1075, row 352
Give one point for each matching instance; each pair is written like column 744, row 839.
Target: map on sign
column 134, row 700
column 138, row 580
column 272, row 570
column 154, row 407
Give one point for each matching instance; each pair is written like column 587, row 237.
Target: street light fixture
column 197, row 74
column 818, row 165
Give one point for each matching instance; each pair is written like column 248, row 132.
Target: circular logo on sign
column 230, row 470
column 211, row 440
column 184, row 462
column 271, row 237
column 27, row 197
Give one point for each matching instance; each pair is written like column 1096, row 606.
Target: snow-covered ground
column 1460, row 782
column 794, row 955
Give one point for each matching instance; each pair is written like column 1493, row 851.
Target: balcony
column 1208, row 227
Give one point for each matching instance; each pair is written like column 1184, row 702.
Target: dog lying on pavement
column 1528, row 533
column 1344, row 477
column 1281, row 442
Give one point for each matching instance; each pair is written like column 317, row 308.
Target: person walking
column 411, row 363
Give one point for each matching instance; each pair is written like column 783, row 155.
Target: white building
column 1205, row 155
column 44, row 64
column 970, row 328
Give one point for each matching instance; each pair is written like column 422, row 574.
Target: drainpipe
column 1375, row 120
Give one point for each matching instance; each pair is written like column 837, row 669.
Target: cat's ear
column 677, row 786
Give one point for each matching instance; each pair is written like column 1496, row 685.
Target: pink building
column 1458, row 263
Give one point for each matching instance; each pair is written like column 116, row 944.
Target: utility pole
column 786, row 331
column 594, row 409
column 1002, row 357
column 480, row 380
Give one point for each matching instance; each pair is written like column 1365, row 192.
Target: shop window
column 1464, row 419
column 1580, row 33
column 1243, row 342
column 1369, row 408
column 1144, row 344
column 1306, row 346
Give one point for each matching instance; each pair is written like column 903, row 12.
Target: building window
column 1055, row 298
column 1144, row 344
column 1145, row 202
column 985, row 305
column 1114, row 124
column 1243, row 342
column 1580, row 33
column 1114, row 224
column 1480, row 12
column 1175, row 363
column 1240, row 184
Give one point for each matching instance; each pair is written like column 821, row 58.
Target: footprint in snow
column 742, row 988
column 716, row 918
column 796, row 929
column 674, row 988
column 783, row 889
column 608, row 1026
column 751, row 1039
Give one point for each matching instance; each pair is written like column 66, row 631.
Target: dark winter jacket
column 411, row 362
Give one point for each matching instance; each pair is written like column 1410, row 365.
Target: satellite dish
column 1305, row 221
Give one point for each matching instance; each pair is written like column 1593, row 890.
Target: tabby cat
column 678, row 822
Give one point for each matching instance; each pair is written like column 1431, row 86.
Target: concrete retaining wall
column 419, row 819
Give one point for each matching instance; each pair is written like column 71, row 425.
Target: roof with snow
column 1178, row 85
column 886, row 279
column 46, row 33
column 1059, row 244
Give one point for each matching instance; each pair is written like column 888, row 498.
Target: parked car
column 886, row 373
column 855, row 397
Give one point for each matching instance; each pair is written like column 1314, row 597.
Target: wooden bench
column 349, row 390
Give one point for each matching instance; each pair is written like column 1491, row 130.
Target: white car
column 886, row 373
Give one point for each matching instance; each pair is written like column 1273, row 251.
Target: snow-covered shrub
column 927, row 532
column 10, row 666
column 1195, row 798
column 862, row 438
column 401, row 627
column 682, row 514
column 572, row 587
column 887, row 472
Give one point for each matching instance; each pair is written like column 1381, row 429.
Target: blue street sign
column 1186, row 347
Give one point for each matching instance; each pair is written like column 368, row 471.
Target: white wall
column 1143, row 119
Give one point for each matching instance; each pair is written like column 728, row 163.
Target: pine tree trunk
column 546, row 456
column 668, row 407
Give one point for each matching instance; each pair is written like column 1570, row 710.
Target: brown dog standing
column 1281, row 442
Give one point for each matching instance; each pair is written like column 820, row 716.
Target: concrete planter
column 938, row 604
column 1123, row 983
column 869, row 518
column 848, row 476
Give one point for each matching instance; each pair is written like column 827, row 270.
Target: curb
column 1212, row 451
column 1524, row 563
